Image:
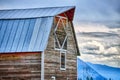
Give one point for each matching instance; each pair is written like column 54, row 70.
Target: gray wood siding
column 52, row 58
column 20, row 66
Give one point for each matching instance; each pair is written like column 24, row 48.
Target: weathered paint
column 17, row 66
column 52, row 58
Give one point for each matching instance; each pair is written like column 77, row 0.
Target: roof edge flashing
column 24, row 18
column 33, row 12
column 36, row 8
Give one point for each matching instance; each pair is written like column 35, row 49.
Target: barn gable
column 27, row 30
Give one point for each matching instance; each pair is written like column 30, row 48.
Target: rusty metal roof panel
column 24, row 35
column 32, row 12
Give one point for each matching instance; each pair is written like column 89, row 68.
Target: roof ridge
column 36, row 8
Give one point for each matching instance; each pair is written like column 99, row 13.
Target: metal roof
column 27, row 30
column 33, row 12
column 24, row 35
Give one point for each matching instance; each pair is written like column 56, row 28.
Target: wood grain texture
column 52, row 58
column 20, row 66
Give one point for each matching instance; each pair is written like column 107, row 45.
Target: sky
column 97, row 26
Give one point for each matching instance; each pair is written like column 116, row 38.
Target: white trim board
column 42, row 66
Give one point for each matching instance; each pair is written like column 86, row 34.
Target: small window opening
column 63, row 60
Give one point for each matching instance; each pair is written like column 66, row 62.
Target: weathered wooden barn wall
column 20, row 66
column 52, row 58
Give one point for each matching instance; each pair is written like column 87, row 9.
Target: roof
column 24, row 35
column 33, row 12
column 27, row 30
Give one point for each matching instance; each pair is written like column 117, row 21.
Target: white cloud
column 101, row 48
column 111, row 50
column 90, row 27
column 99, row 59
column 95, row 44
column 107, row 51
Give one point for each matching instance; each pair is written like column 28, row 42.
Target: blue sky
column 98, row 10
column 97, row 26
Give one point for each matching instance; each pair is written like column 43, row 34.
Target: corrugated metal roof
column 24, row 35
column 35, row 12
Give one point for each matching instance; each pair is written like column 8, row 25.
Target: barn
column 38, row 44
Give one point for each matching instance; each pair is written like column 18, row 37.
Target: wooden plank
column 17, row 66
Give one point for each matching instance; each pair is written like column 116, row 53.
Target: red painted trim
column 69, row 14
column 19, row 53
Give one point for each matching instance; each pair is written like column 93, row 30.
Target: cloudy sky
column 97, row 26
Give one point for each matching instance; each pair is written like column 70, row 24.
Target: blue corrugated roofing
column 24, row 35
column 26, row 30
column 35, row 12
